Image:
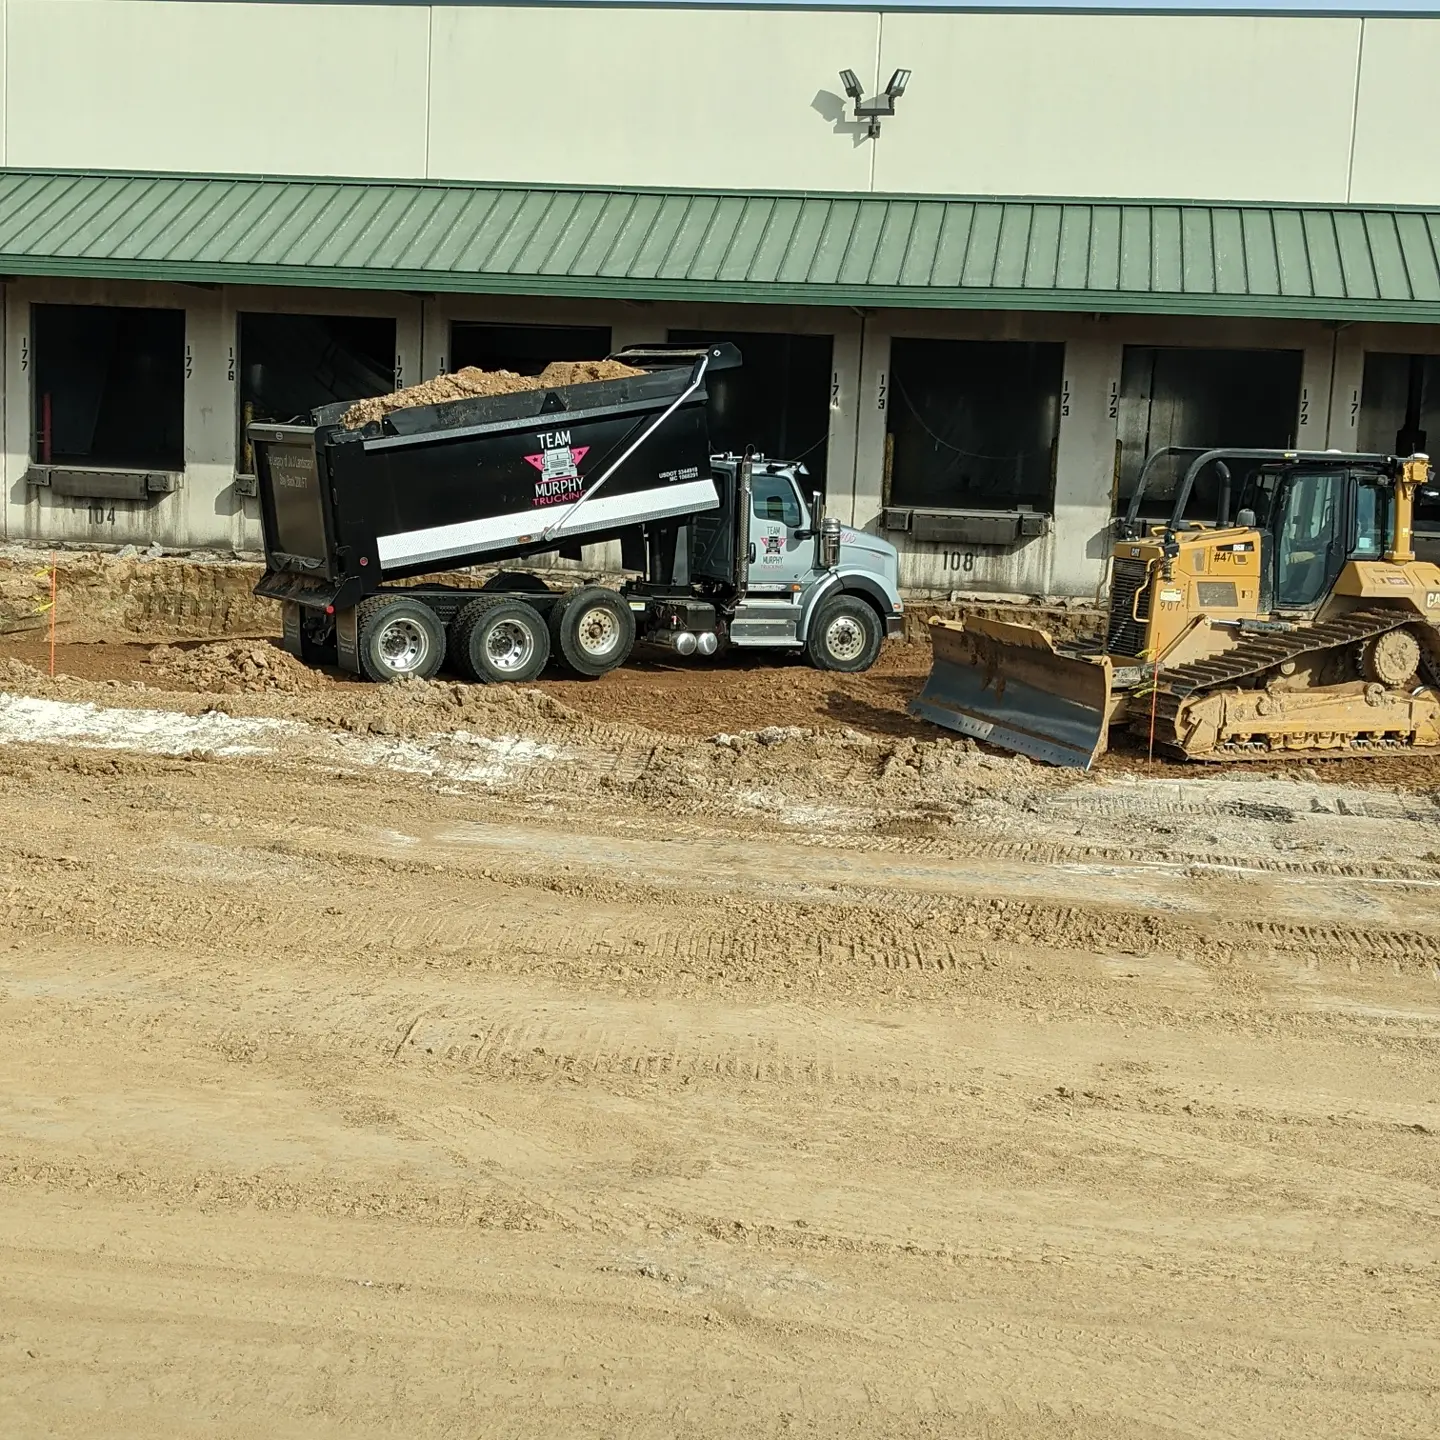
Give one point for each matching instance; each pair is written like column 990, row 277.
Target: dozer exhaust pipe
column 1009, row 686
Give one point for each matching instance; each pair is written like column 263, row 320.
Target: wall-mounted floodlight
column 880, row 105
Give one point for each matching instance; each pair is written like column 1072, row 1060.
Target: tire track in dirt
column 872, row 1072
column 837, row 933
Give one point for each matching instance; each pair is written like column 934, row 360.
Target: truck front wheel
column 399, row 638
column 594, row 630
column 496, row 638
column 845, row 634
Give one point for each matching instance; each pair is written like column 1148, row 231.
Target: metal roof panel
column 1136, row 259
column 1323, row 246
column 804, row 237
column 982, row 254
column 1012, row 249
column 792, row 248
column 1042, row 248
column 951, row 244
column 1418, row 254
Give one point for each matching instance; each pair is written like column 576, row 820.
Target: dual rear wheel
column 494, row 638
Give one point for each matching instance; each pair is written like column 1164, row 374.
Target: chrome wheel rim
column 598, row 632
column 845, row 638
column 404, row 645
column 509, row 646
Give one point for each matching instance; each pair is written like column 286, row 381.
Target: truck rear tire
column 496, row 639
column 399, row 638
column 845, row 635
column 593, row 630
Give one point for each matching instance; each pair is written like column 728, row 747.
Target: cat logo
column 1432, row 599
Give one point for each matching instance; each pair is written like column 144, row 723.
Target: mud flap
column 1009, row 686
column 291, row 634
column 347, row 640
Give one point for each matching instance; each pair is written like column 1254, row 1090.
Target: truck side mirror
column 817, row 513
column 1245, row 519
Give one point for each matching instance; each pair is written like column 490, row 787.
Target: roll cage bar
column 1128, row 528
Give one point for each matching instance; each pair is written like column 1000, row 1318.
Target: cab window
column 1309, row 530
column 773, row 499
column 1372, row 522
column 1257, row 495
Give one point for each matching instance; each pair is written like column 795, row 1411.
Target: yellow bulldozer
column 1297, row 621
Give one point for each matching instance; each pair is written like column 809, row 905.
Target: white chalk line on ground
column 461, row 755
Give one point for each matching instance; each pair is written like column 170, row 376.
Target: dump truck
column 721, row 550
column 1294, row 620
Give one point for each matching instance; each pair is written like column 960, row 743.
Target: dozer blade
column 1008, row 685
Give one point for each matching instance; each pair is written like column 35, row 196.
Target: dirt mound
column 471, row 381
column 584, row 372
column 235, row 667
column 819, row 778
column 18, row 673
column 118, row 597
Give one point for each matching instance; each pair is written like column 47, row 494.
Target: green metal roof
column 808, row 249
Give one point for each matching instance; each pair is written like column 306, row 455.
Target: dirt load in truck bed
column 471, row 381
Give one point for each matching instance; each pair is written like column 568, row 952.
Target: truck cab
column 774, row 572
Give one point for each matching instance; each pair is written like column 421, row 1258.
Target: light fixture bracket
column 878, row 107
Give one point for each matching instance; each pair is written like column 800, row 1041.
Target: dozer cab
column 1297, row 621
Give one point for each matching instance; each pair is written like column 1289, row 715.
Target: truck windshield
column 774, row 500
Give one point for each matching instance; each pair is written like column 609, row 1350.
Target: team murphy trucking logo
column 559, row 465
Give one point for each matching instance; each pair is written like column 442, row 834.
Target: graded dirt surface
column 696, row 1054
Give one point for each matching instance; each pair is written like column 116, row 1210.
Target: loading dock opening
column 1400, row 412
column 1175, row 395
column 109, row 387
column 778, row 400
column 973, row 424
column 523, row 349
column 289, row 364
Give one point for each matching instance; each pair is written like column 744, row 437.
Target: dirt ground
column 696, row 1053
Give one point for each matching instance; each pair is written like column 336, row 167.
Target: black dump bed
column 477, row 480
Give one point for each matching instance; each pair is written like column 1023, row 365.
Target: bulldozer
column 1295, row 621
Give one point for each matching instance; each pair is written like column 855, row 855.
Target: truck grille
column 1126, row 636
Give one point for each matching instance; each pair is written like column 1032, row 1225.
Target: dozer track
column 1199, row 712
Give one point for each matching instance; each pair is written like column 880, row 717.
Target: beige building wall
column 236, row 88
column 1138, row 105
column 1397, row 130
column 605, row 96
column 1168, row 106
